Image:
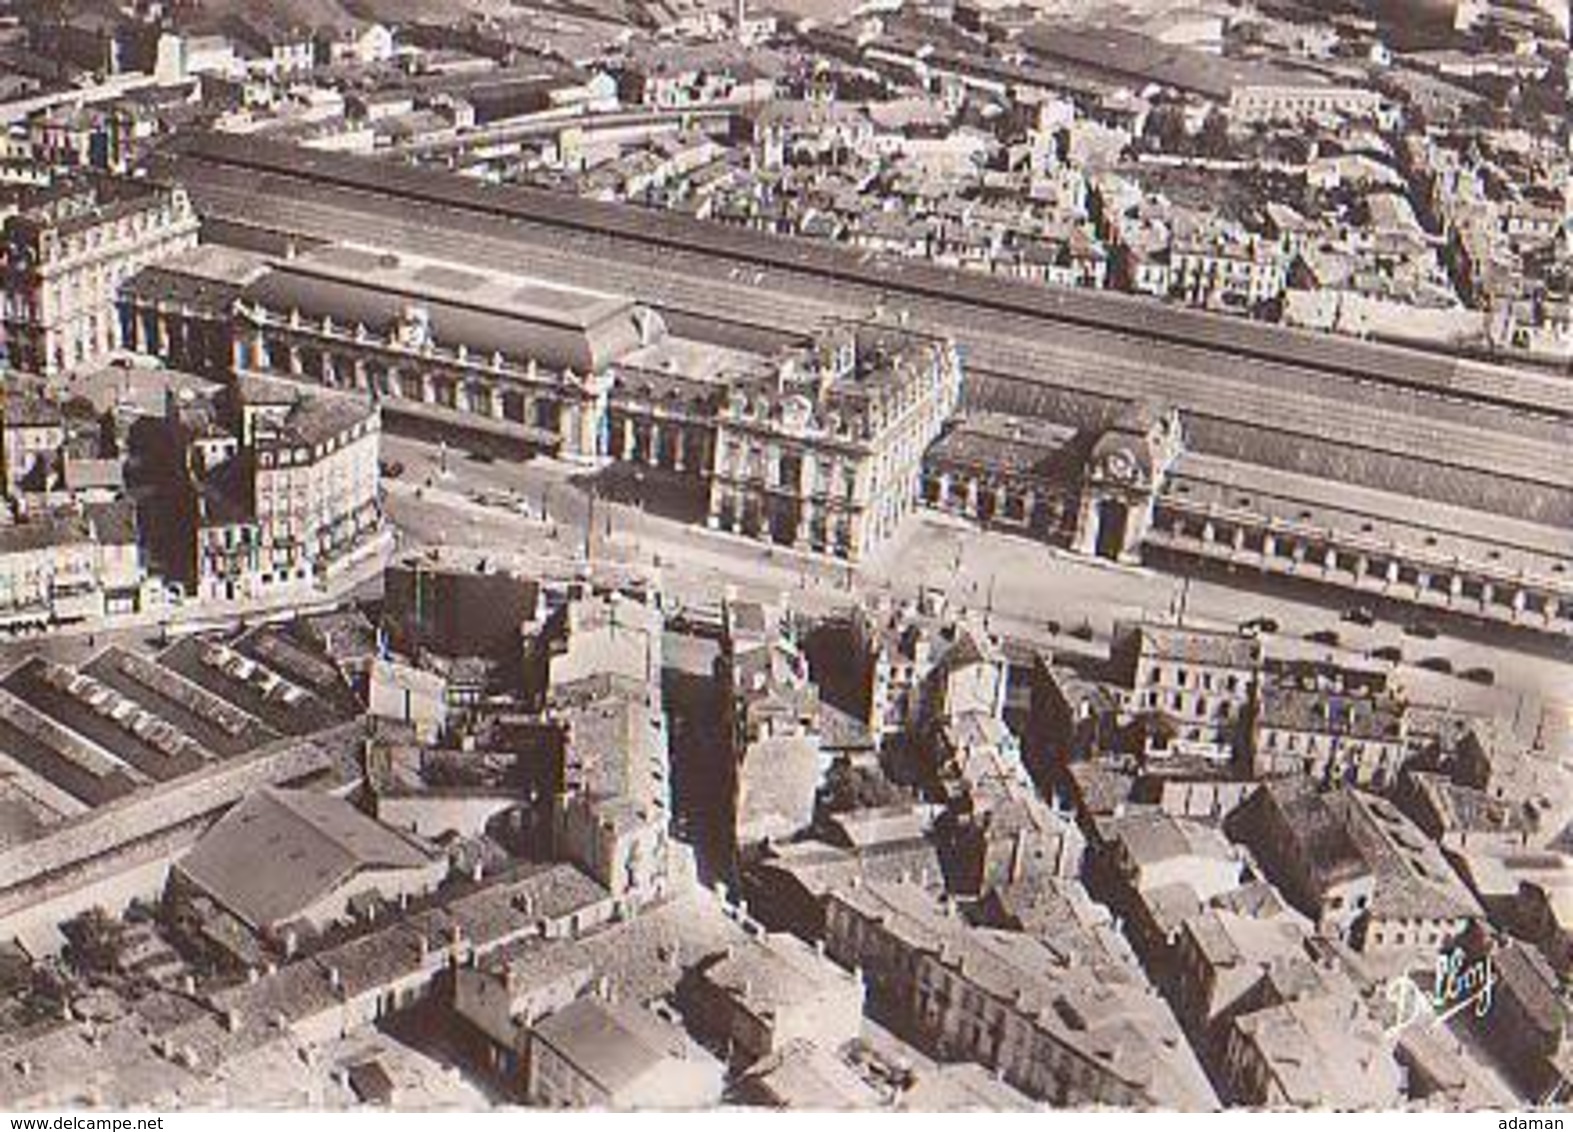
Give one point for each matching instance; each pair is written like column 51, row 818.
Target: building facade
column 519, row 359
column 1191, row 687
column 65, row 258
column 1057, row 1033
column 281, row 489
column 72, row 566
column 32, row 433
column 1331, row 728
column 819, row 445
column 1278, row 102
column 315, row 486
column 825, row 452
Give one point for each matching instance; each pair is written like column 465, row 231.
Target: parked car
column 130, row 359
column 1391, row 654
column 1422, row 629
column 1360, row 615
column 391, row 469
column 1328, row 637
column 1259, row 625
column 1437, row 664
column 1485, row 677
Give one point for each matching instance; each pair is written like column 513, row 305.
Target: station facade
column 826, row 442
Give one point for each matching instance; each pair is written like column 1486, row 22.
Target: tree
column 95, row 942
column 1165, row 129
column 849, row 787
column 1213, row 140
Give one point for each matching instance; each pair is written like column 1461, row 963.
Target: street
column 1025, row 587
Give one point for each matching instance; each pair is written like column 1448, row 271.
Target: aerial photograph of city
column 851, row 556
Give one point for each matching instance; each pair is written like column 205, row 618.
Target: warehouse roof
column 280, row 851
column 1133, row 56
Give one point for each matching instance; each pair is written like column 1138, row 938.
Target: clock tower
column 1121, row 478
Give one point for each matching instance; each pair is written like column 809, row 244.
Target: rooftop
column 765, row 974
column 1413, row 879
column 1125, row 1028
column 1319, row 1055
column 1460, row 516
column 279, row 851
column 523, row 318
column 1151, row 838
column 22, row 410
column 315, row 419
column 1330, row 713
column 1006, row 443
column 1183, row 645
column 806, row 1077
column 1133, row 57
column 615, row 1044
column 1324, row 839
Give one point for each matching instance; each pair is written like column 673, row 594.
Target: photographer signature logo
column 1458, row 984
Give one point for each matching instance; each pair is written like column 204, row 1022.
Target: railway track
column 1114, row 318
column 1482, row 439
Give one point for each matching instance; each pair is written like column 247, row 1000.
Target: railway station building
column 1242, row 452
column 817, row 443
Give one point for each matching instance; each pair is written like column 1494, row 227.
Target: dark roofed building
column 370, row 1082
column 1525, row 1028
column 1329, row 735
column 985, row 458
column 286, row 857
column 456, row 612
column 1309, row 853
column 1365, row 873
column 1130, row 56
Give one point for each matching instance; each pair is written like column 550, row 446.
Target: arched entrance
column 1112, row 517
